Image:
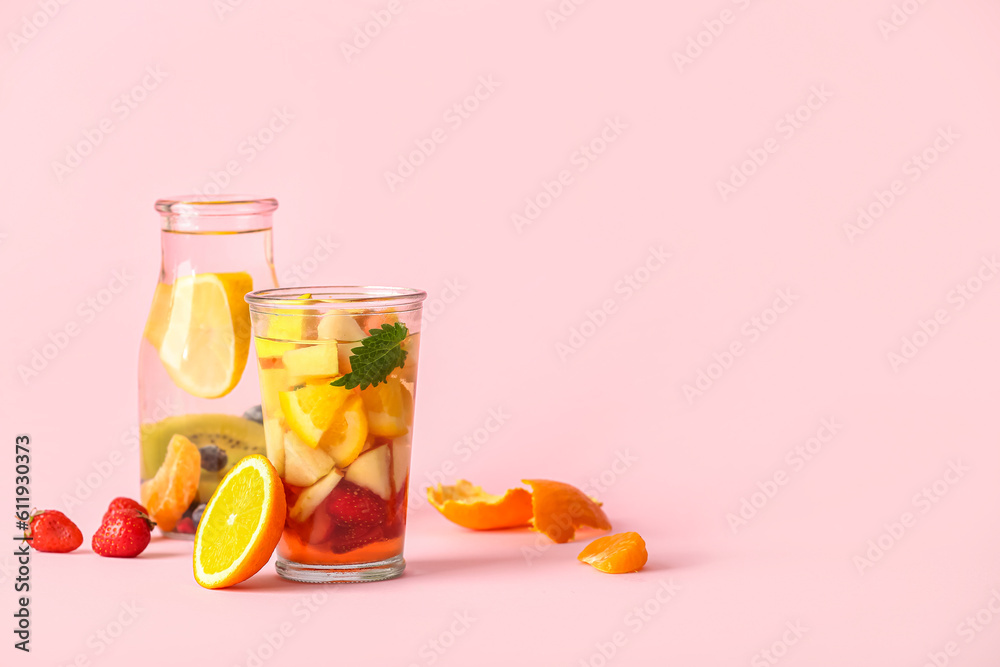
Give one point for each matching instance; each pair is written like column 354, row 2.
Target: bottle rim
column 216, row 213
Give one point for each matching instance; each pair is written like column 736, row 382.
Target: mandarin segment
column 169, row 493
column 616, row 554
column 559, row 509
column 469, row 506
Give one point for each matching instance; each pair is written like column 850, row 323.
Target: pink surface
column 568, row 322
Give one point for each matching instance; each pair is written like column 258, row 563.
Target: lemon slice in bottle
column 207, row 338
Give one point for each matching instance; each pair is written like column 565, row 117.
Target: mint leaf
column 378, row 355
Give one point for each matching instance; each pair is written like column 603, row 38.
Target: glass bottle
column 197, row 366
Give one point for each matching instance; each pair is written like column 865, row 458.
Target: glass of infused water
column 338, row 380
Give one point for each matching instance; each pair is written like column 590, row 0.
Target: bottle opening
column 216, row 214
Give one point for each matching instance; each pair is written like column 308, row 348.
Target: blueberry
column 213, row 459
column 198, row 511
column 254, row 414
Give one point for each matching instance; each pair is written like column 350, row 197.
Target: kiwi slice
column 236, row 435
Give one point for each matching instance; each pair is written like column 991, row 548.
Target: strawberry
column 123, row 534
column 52, row 531
column 353, row 505
column 349, row 538
column 185, row 525
column 122, row 503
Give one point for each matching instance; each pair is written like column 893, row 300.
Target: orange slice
column 169, row 493
column 241, row 525
column 559, row 509
column 616, row 554
column 469, row 506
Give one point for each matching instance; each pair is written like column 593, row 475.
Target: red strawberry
column 185, row 525
column 123, row 503
column 123, row 534
column 52, row 531
column 353, row 505
column 349, row 538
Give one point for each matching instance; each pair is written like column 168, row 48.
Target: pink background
column 521, row 294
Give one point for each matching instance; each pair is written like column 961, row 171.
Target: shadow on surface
column 420, row 567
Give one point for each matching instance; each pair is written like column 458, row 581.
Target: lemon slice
column 345, row 439
column 241, row 525
column 390, row 408
column 327, row 416
column 207, row 338
column 159, row 315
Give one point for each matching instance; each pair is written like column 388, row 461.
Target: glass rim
column 334, row 297
column 215, row 205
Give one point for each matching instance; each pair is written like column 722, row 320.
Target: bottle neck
column 186, row 253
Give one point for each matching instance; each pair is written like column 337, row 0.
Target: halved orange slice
column 616, row 554
column 469, row 506
column 241, row 525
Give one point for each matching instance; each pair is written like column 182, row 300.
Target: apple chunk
column 304, row 465
column 371, row 470
column 274, row 440
column 310, row 498
column 313, row 361
column 400, row 463
column 343, row 328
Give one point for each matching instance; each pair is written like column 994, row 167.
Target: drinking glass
column 338, row 380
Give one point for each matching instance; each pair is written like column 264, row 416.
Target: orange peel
column 469, row 506
column 559, row 509
column 616, row 554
